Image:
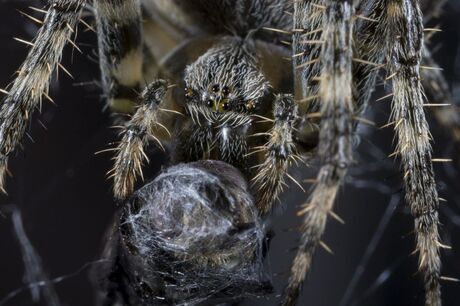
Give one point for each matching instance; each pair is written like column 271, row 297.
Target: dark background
column 60, row 187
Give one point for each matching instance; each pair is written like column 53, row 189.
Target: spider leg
column 404, row 36
column 143, row 127
column 279, row 153
column 335, row 136
column 120, row 51
column 25, row 93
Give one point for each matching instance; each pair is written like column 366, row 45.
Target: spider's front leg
column 25, row 94
column 334, row 95
column 143, row 126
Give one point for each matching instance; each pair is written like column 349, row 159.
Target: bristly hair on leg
column 335, row 138
column 136, row 134
column 280, row 152
column 33, row 78
column 404, row 37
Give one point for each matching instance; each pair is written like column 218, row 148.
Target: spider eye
column 225, row 91
column 215, row 88
column 188, row 92
column 210, row 103
column 250, row 106
column 225, row 106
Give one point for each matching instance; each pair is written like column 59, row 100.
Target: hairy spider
column 196, row 233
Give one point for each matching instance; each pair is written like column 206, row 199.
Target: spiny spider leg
column 120, row 51
column 25, row 94
column 136, row 134
column 280, row 152
column 404, row 35
column 335, row 138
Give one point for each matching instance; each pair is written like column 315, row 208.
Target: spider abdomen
column 193, row 229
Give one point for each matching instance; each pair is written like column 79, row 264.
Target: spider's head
column 226, row 78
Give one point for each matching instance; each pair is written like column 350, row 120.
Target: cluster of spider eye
column 212, row 101
column 219, row 100
column 196, row 233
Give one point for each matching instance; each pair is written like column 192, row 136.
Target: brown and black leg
column 404, row 36
column 120, row 46
column 31, row 84
column 144, row 127
column 334, row 99
column 278, row 153
column 401, row 46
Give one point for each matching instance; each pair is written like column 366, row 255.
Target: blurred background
column 60, row 187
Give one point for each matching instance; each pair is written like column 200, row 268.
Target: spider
column 227, row 93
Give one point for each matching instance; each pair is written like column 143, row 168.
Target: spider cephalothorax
column 223, row 89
